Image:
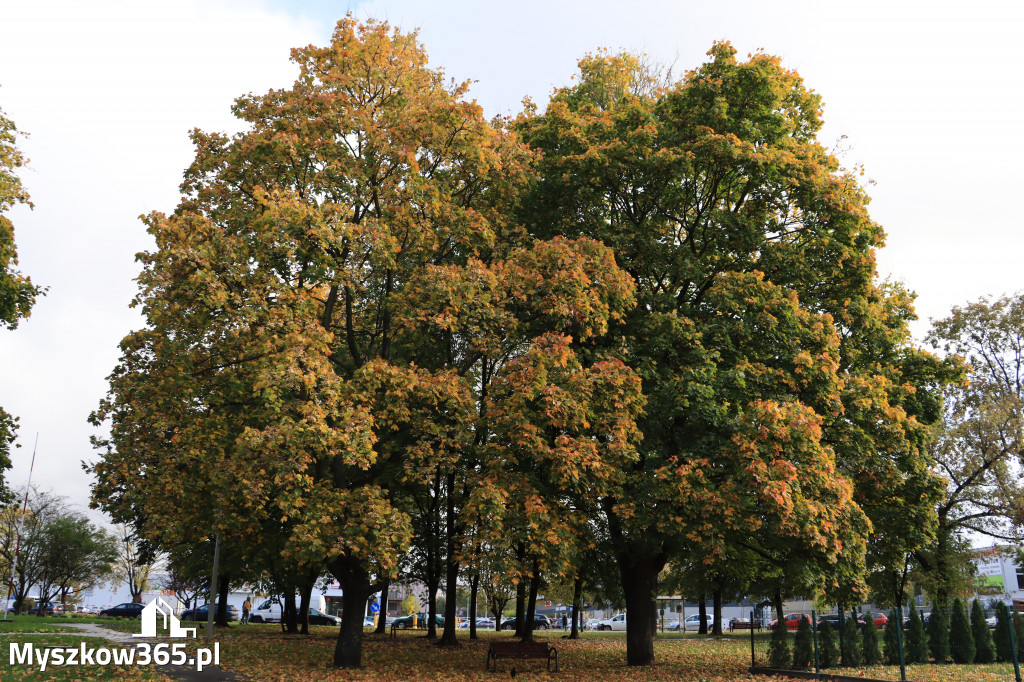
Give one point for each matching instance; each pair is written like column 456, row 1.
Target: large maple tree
column 326, row 309
column 783, row 395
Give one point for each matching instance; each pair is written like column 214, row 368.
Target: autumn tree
column 17, row 293
column 785, row 403
column 325, row 310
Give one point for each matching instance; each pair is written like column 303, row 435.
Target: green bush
column 803, row 646
column 851, row 645
column 916, row 649
column 828, row 646
column 938, row 634
column 870, row 637
column 984, row 647
column 778, row 648
column 961, row 639
column 892, row 644
column 1002, row 641
column 1018, row 633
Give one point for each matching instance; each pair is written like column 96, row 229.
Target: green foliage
column 410, row 604
column 828, row 646
column 779, row 656
column 803, row 645
column 851, row 643
column 872, row 656
column 961, row 637
column 916, row 648
column 891, row 648
column 938, row 634
column 1018, row 634
column 984, row 647
column 1001, row 638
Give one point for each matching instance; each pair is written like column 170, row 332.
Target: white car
column 616, row 623
column 692, row 623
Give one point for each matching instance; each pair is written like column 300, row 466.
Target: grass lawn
column 20, row 671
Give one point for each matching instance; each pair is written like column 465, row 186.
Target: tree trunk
column 521, row 608
column 382, row 614
column 778, row 605
column 716, row 598
column 453, row 549
column 432, row 609
column 451, row 605
column 639, row 576
column 702, row 611
column 303, row 615
column 222, row 605
column 289, row 618
column 577, row 601
column 355, row 585
column 531, row 604
column 474, row 586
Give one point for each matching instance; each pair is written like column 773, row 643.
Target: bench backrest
column 511, row 648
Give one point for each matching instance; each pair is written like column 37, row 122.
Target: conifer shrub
column 938, row 634
column 870, row 641
column 851, row 644
column 828, row 646
column 916, row 648
column 891, row 648
column 961, row 638
column 984, row 647
column 803, row 646
column 1002, row 641
column 778, row 649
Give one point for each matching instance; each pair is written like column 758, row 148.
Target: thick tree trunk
column 221, row 619
column 382, row 614
column 531, row 604
column 577, row 601
column 521, row 608
column 451, row 605
column 289, row 617
column 639, row 576
column 717, row 606
column 355, row 585
column 303, row 614
column 702, row 611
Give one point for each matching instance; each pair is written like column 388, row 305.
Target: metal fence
column 952, row 644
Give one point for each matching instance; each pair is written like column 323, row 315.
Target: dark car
column 199, row 613
column 405, row 622
column 320, row 618
column 540, row 622
column 126, row 610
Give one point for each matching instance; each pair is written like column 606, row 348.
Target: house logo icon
column 170, row 621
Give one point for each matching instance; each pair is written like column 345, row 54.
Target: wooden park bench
column 747, row 625
column 521, row 650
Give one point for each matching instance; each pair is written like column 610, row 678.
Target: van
column 270, row 610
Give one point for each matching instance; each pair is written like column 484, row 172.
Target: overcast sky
column 928, row 95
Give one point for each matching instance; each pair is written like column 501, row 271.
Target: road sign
column 374, row 607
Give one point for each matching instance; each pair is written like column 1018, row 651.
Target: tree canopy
column 643, row 323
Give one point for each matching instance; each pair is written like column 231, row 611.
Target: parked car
column 199, row 613
column 317, row 617
column 692, row 623
column 540, row 622
column 832, row 619
column 125, row 610
column 792, row 620
column 405, row 622
column 615, row 623
column 367, row 620
column 880, row 619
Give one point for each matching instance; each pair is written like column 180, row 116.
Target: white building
column 999, row 576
